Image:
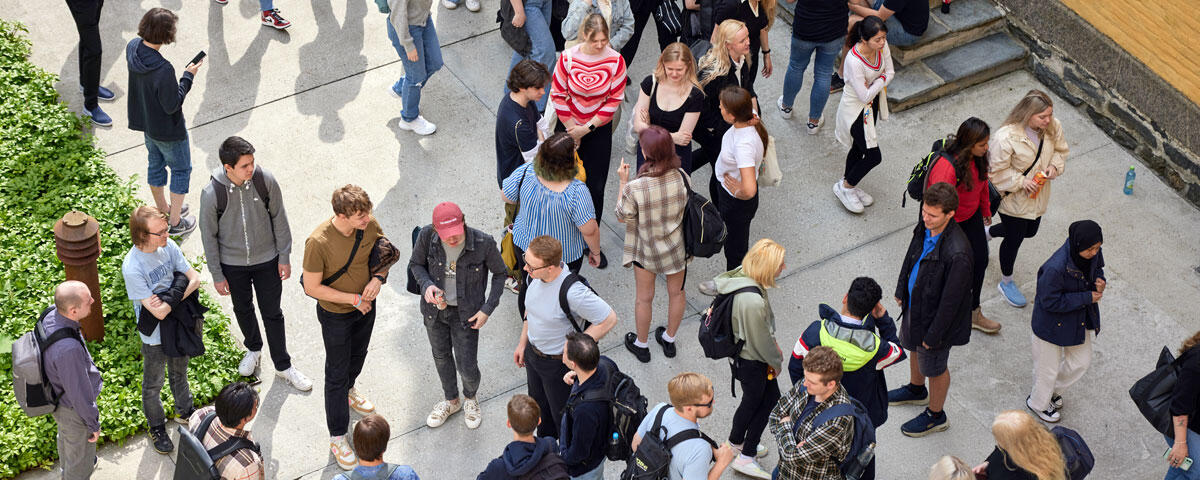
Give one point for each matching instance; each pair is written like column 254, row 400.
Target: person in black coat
column 727, row 63
column 934, row 294
column 1185, row 407
column 1066, row 307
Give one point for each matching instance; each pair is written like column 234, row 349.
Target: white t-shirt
column 740, row 147
column 548, row 325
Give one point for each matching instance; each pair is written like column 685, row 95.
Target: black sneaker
column 642, row 353
column 836, row 83
column 1057, row 401
column 908, row 394
column 668, row 347
column 162, row 441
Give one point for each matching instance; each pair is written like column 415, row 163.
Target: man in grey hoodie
column 410, row 28
column 247, row 242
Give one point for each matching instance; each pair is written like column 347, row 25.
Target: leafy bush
column 48, row 166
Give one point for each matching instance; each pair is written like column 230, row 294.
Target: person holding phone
column 1185, row 404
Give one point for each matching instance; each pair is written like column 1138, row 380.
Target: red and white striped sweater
column 588, row 86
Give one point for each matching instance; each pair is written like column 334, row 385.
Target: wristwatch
column 591, row 127
column 380, row 277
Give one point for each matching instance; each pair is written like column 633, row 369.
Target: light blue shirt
column 690, row 458
column 930, row 242
column 546, row 212
column 149, row 273
column 548, row 325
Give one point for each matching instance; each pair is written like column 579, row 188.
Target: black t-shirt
column 820, row 20
column 671, row 120
column 755, row 23
column 1185, row 399
column 1000, row 467
column 913, row 15
column 516, row 132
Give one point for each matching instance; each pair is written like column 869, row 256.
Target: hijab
column 1082, row 235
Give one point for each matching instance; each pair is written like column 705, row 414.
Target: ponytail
column 740, row 105
column 864, row 29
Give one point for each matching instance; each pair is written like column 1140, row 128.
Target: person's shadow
column 116, row 18
column 317, row 59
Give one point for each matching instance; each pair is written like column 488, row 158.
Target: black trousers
column 263, row 281
column 643, row 12
column 558, row 13
column 87, row 22
column 1014, row 231
column 737, row 215
column 860, row 159
column 595, row 150
column 973, row 227
column 710, row 145
column 346, row 337
column 544, row 376
column 523, row 278
column 759, row 397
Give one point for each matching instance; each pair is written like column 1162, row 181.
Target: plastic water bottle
column 859, row 466
column 1129, row 176
column 616, row 439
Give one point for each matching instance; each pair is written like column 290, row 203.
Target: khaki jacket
column 1011, row 153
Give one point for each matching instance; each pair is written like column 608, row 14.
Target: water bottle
column 859, row 466
column 946, row 7
column 1129, row 176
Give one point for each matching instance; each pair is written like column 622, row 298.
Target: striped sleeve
column 894, row 354
column 801, row 349
column 558, row 89
column 615, row 93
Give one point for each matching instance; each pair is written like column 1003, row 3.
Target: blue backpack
column 1078, row 456
column 862, row 445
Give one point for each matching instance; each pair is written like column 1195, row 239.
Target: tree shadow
column 317, row 60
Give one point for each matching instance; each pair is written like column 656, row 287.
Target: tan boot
column 982, row 323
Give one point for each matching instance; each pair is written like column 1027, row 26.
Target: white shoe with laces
column 848, row 198
column 360, row 403
column 249, row 363
column 750, row 468
column 346, row 459
column 419, row 126
column 296, row 379
column 864, row 197
column 449, row 5
column 784, row 112
column 473, row 5
column 442, row 411
column 472, row 414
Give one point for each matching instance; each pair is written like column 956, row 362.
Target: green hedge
column 48, row 166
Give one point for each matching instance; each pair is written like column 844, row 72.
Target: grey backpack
column 30, row 385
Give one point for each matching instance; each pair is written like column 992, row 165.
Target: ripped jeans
column 429, row 60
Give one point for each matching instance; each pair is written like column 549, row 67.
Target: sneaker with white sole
column 359, row 402
column 443, row 410
column 512, row 284
column 1012, row 293
column 472, row 414
column 273, row 19
column 750, row 468
column 848, row 198
column 346, row 459
column 449, row 5
column 296, row 379
column 249, row 363
column 708, row 287
column 473, row 5
column 419, row 126
column 1057, row 401
column 1049, row 415
column 814, row 128
column 784, row 112
column 864, row 197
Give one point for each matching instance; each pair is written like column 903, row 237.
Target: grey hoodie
column 247, row 234
column 408, row 12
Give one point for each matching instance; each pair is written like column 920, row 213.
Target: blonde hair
column 950, row 467
column 716, row 62
column 1033, row 103
column 768, row 7
column 1029, row 445
column 677, row 52
column 688, row 388
column 590, row 25
column 762, row 262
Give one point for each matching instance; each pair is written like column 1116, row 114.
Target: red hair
column 659, row 150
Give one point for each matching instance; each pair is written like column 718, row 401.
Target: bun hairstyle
column 865, row 29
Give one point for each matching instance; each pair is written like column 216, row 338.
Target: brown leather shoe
column 982, row 323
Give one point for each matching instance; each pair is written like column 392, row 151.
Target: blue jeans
column 537, row 25
column 1193, row 440
column 429, row 60
column 595, row 474
column 802, row 51
column 265, row 5
column 896, row 34
column 175, row 155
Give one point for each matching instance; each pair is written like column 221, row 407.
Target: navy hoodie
column 584, row 429
column 519, row 458
column 155, row 98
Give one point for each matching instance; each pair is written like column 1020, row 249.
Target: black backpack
column 862, row 444
column 716, row 326
column 571, row 279
column 194, row 462
column 222, row 196
column 920, row 171
column 627, row 408
column 652, row 460
column 1078, row 456
column 703, row 229
column 550, row 467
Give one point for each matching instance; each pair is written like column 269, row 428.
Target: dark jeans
column 1014, row 231
column 573, row 265
column 737, row 215
column 860, row 159
column 263, row 281
column 545, row 379
column 346, row 337
column 643, row 12
column 973, row 227
column 595, row 150
column 759, row 397
column 154, row 362
column 87, row 22
column 558, row 13
column 455, row 345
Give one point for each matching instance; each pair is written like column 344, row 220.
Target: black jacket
column 583, row 430
column 182, row 330
column 155, row 98
column 525, row 459
column 1063, row 311
column 710, row 116
column 479, row 256
column 940, row 311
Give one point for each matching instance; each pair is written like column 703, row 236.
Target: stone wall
column 1137, row 108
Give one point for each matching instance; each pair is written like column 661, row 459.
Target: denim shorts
column 176, row 156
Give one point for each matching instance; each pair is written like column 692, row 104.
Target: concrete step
column 968, row 20
column 953, row 70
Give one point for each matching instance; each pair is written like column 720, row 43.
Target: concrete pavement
column 315, row 103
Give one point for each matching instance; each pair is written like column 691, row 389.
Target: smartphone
column 197, row 58
column 1185, row 465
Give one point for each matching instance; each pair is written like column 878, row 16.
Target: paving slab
column 975, row 57
column 913, row 80
column 966, row 14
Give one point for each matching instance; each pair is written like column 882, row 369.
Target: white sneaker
column 296, row 379
column 784, row 112
column 346, row 459
column 473, row 5
column 864, row 197
column 1049, row 415
column 419, row 126
column 443, row 410
column 813, row 128
column 472, row 414
column 359, row 402
column 750, row 468
column 708, row 287
column 249, row 363
column 449, row 5
column 848, row 198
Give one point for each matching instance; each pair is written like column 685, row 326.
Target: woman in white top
column 867, row 70
column 736, row 193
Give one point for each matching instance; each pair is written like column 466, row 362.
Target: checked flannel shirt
column 823, row 449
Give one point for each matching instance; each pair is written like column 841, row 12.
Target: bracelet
column 766, row 52
column 357, row 299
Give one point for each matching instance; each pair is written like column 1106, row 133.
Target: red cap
column 447, row 220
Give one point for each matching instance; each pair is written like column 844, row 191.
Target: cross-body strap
column 358, row 234
column 1037, row 156
column 223, row 449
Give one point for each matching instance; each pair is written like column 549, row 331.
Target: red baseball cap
column 447, row 220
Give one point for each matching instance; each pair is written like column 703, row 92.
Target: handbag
column 1152, row 394
column 515, row 37
column 508, row 249
column 668, row 14
column 994, row 195
column 412, row 286
column 769, row 173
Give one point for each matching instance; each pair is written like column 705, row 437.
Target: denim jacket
column 479, row 255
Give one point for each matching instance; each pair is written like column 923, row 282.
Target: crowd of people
column 553, row 141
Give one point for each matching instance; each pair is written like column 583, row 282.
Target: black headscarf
column 1082, row 235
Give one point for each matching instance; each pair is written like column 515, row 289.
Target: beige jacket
column 1010, row 154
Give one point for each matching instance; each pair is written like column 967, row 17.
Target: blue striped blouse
column 546, row 212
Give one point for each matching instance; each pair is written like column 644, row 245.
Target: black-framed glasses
column 163, row 233
column 531, row 269
column 708, row 405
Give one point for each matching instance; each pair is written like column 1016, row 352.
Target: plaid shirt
column 243, row 464
column 652, row 209
column 823, row 450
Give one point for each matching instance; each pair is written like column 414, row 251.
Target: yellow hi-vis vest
column 855, row 346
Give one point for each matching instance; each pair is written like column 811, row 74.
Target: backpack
column 194, row 462
column 30, row 385
column 716, row 326
column 920, row 171
column 652, row 460
column 550, row 467
column 627, row 408
column 862, row 445
column 222, row 196
column 1075, row 452
column 703, row 229
column 571, row 279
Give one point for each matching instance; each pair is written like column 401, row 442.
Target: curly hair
column 555, row 159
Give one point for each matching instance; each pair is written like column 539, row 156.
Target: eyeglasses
column 707, row 405
column 532, row 269
column 163, row 233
